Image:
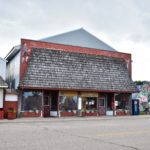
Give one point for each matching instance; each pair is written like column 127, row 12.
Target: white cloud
column 122, row 24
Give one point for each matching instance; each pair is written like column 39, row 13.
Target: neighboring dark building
column 71, row 74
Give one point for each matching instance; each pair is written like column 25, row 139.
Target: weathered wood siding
column 3, row 68
column 13, row 72
column 1, row 98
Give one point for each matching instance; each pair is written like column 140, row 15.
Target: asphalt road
column 92, row 133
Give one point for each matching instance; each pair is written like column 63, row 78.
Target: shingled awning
column 56, row 69
column 3, row 84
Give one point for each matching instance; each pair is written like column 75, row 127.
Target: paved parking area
column 83, row 133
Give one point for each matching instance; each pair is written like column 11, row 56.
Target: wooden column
column 58, row 100
column 98, row 104
column 113, row 101
column 42, row 109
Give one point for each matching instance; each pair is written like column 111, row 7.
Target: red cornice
column 70, row 48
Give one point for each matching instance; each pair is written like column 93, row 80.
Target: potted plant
column 11, row 113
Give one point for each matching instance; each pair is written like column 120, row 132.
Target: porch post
column 113, row 103
column 22, row 100
column 98, row 104
column 58, row 100
column 42, row 103
column 20, row 97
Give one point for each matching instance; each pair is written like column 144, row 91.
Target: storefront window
column 68, row 103
column 91, row 104
column 122, row 101
column 102, row 102
column 32, row 100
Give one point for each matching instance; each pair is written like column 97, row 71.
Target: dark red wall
column 8, row 105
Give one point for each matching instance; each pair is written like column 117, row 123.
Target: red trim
column 31, row 114
column 65, row 89
column 91, row 114
column 63, row 47
column 67, row 114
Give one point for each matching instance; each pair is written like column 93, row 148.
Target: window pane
column 68, row 103
column 91, row 103
column 32, row 100
column 122, row 101
column 46, row 100
column 102, row 102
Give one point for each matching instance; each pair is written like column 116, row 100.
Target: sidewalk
column 65, row 119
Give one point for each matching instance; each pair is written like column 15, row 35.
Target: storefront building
column 65, row 80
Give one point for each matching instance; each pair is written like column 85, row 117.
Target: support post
column 58, row 100
column 113, row 103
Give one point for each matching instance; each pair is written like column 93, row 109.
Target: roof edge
column 28, row 40
column 81, row 30
column 11, row 51
column 69, row 89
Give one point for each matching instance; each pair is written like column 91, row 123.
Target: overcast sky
column 123, row 24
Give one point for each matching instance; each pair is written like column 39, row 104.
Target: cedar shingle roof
column 58, row 69
column 2, row 83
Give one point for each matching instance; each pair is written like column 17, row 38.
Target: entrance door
column 46, row 105
column 110, row 104
column 54, row 100
column 102, row 105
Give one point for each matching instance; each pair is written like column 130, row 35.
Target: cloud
column 122, row 24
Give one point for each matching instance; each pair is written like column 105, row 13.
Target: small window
column 102, row 102
column 46, row 100
column 91, row 103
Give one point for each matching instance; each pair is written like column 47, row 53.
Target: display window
column 32, row 101
column 122, row 103
column 91, row 104
column 68, row 103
